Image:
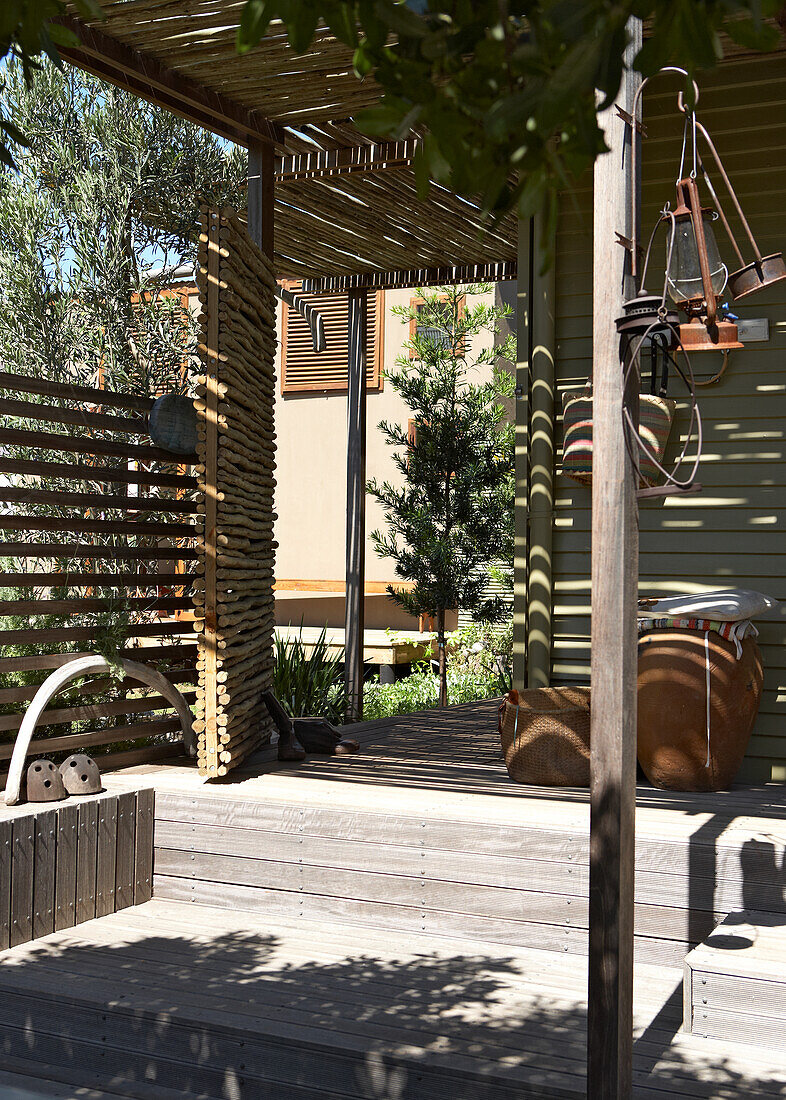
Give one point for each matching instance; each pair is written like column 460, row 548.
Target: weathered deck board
column 70, row 861
column 423, row 831
column 735, row 982
column 308, row 1008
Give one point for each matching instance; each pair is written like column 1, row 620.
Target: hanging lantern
column 685, row 275
column 696, row 275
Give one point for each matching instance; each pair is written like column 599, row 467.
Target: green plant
column 450, row 513
column 420, row 690
column 483, row 652
column 310, row 684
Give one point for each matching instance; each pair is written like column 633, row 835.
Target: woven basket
column 545, row 736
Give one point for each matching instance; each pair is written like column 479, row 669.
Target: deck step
column 169, row 999
column 501, row 871
column 735, row 982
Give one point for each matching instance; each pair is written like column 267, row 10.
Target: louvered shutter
column 303, row 369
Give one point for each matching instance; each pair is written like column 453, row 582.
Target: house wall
column 733, row 532
column 311, row 492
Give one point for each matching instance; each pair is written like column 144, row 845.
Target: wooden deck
column 146, row 1003
column 424, row 831
column 401, row 925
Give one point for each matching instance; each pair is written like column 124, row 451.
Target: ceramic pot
column 672, row 708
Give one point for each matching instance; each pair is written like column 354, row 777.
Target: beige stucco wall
column 311, row 487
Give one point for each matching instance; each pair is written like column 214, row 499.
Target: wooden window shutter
column 305, row 371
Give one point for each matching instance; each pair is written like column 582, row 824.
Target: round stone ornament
column 44, row 782
column 80, row 774
column 172, row 424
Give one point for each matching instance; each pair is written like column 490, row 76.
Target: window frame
column 374, row 383
column 413, row 324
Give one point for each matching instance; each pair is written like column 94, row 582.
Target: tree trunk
column 443, row 666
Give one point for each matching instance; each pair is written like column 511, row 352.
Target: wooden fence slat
column 97, row 526
column 58, row 550
column 179, row 652
column 111, row 709
column 73, row 444
column 86, row 633
column 80, row 606
column 22, row 857
column 143, row 846
column 86, row 854
column 97, row 580
column 44, row 873
column 101, row 475
column 82, row 741
column 65, row 866
column 12, row 494
column 106, row 859
column 148, row 755
column 24, row 694
column 23, row 383
column 54, row 414
column 126, row 826
column 6, row 840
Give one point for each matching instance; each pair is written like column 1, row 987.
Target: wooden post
column 614, row 640
column 521, row 521
column 209, row 641
column 540, row 508
column 356, row 502
column 261, row 196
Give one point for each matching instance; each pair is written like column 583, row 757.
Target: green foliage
column 311, row 684
column 108, row 187
column 28, row 35
column 449, row 514
column 472, row 674
column 506, row 93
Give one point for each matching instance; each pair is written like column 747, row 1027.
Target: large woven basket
column 545, row 735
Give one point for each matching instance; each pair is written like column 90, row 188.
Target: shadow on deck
column 147, row 1004
column 402, row 925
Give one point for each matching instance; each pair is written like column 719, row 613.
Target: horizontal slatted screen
column 733, row 532
column 305, row 371
column 96, row 548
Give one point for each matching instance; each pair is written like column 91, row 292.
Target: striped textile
column 732, row 632
column 656, row 415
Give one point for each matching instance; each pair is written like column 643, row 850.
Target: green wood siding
column 732, row 533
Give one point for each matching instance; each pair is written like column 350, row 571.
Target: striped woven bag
column 656, row 415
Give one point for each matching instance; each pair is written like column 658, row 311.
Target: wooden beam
column 493, row 272
column 614, row 640
column 356, row 502
column 140, row 73
column 261, row 196
column 344, row 161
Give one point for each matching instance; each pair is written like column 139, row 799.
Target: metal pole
column 356, row 502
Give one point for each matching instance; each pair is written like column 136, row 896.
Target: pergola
column 332, row 208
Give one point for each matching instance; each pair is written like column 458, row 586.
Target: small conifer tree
column 449, row 517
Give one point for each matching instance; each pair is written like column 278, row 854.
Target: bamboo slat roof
column 196, row 39
column 371, row 222
column 334, row 219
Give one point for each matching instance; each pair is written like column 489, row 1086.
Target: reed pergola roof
column 347, row 212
